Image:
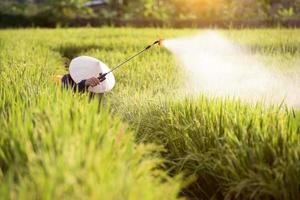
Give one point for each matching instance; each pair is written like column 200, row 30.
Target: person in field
column 84, row 76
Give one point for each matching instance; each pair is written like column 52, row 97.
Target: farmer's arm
column 84, row 84
column 67, row 82
column 81, row 86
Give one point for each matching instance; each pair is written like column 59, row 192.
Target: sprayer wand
column 127, row 60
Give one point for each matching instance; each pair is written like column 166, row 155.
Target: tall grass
column 58, row 145
column 234, row 151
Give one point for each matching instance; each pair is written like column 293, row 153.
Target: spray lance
column 159, row 42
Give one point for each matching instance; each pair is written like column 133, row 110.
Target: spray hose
column 159, row 42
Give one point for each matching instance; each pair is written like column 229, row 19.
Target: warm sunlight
column 200, row 8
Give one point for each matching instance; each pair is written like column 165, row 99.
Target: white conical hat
column 85, row 67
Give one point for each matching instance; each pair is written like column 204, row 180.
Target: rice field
column 146, row 140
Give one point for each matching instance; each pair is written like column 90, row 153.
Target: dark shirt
column 68, row 83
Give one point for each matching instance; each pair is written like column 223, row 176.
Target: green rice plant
column 55, row 144
column 58, row 145
column 236, row 151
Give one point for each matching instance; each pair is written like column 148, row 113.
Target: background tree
column 62, row 12
column 66, row 12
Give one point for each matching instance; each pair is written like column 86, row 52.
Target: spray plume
column 219, row 68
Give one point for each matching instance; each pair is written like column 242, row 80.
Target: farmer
column 85, row 76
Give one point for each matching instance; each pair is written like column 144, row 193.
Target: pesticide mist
column 220, row 68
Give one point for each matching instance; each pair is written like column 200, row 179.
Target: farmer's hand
column 94, row 81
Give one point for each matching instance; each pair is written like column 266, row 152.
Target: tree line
column 162, row 12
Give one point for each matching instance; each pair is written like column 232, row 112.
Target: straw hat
column 85, row 67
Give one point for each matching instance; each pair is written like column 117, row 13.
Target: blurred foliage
column 65, row 12
column 46, row 12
